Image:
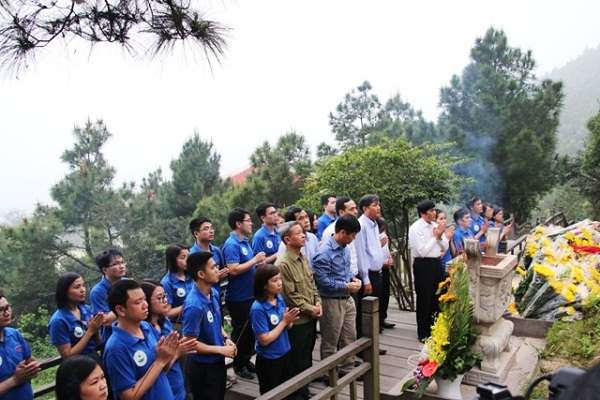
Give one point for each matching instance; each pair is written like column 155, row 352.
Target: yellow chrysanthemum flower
column 520, row 270
column 543, row 270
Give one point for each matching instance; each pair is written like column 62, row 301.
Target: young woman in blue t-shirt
column 270, row 320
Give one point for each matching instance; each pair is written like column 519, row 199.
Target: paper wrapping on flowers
column 560, row 268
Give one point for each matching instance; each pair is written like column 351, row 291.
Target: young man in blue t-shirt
column 241, row 262
column 206, row 370
column 17, row 365
column 113, row 268
column 134, row 359
column 267, row 237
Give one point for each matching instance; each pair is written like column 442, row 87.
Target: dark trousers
column 375, row 278
column 206, row 381
column 302, row 341
column 242, row 334
column 384, row 298
column 273, row 372
column 428, row 274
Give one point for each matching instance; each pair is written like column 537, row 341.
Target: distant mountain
column 581, row 84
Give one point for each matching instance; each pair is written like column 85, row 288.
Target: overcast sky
column 288, row 65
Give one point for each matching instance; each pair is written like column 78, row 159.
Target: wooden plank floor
column 400, row 343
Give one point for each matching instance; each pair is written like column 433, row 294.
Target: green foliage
column 195, row 175
column 506, row 121
column 356, row 117
column 576, row 341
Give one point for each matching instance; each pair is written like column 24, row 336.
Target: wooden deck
column 400, row 343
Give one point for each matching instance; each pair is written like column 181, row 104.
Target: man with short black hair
column 113, row 268
column 267, row 237
column 206, row 370
column 369, row 253
column 336, row 283
column 135, row 359
column 329, row 216
column 241, row 262
column 427, row 241
column 17, row 366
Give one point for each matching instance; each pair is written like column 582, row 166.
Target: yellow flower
column 447, row 297
column 543, row 270
column 557, row 285
column 571, row 310
column 520, row 270
column 512, row 308
column 577, row 274
column 444, row 283
column 570, row 236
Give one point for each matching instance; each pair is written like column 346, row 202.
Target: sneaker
column 243, row 373
column 231, row 380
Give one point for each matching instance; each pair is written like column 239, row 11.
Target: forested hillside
column 581, row 86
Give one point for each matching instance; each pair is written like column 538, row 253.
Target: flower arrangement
column 447, row 352
column 560, row 271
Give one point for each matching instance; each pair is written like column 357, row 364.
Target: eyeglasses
column 4, row 310
column 273, row 213
column 160, row 299
column 114, row 264
column 207, row 229
column 247, row 220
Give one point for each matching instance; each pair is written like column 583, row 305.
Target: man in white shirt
column 427, row 241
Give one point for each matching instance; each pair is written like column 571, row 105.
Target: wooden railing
column 369, row 369
column 45, row 364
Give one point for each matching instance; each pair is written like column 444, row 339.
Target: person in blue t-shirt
column 241, row 261
column 267, row 237
column 73, row 329
column 204, row 234
column 270, row 320
column 329, row 214
column 113, row 268
column 440, row 218
column 158, row 308
column 176, row 283
column 133, row 357
column 462, row 218
column 479, row 225
column 17, row 366
column 205, row 369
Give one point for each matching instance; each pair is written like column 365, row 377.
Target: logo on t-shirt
column 78, row 332
column 0, row 361
column 476, row 228
column 180, row 292
column 209, row 317
column 140, row 358
column 269, row 244
column 274, row 319
column 244, row 251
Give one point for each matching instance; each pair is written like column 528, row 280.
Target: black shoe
column 250, row 366
column 380, row 330
column 357, row 363
column 382, row 352
column 387, row 325
column 243, row 373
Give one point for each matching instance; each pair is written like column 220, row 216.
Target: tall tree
column 355, row 118
column 88, row 205
column 195, row 175
column 499, row 114
column 26, row 26
column 283, row 168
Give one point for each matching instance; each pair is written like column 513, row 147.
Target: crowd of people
column 145, row 339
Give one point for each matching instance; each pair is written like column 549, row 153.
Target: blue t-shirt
column 238, row 251
column 264, row 317
column 478, row 221
column 176, row 289
column 217, row 257
column 99, row 302
column 202, row 319
column 127, row 358
column 13, row 350
column 322, row 223
column 459, row 238
column 175, row 376
column 65, row 328
column 264, row 240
